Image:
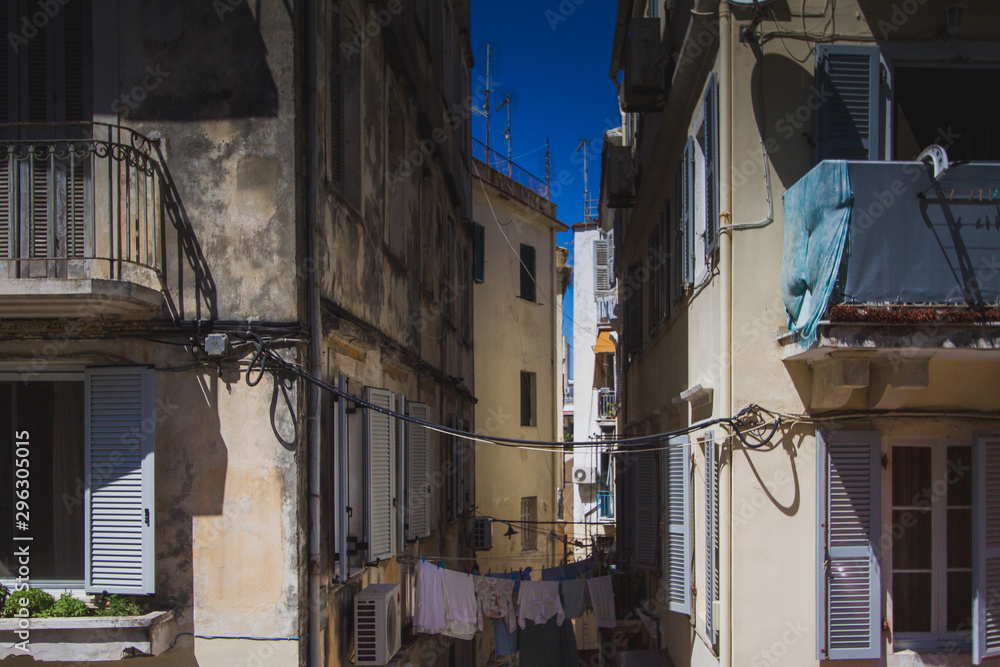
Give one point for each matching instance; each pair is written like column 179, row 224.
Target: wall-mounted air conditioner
column 618, row 164
column 645, row 88
column 376, row 624
column 482, row 533
column 583, row 475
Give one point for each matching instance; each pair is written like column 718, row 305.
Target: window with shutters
column 849, row 121
column 603, row 270
column 527, row 257
column 709, row 142
column 677, row 519
column 849, row 599
column 87, row 486
column 684, row 225
column 46, row 199
column 712, row 454
column 529, row 526
column 647, row 506
column 529, row 399
column 931, row 555
column 335, row 94
column 380, row 463
column 418, row 486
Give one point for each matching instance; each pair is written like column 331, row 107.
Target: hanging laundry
column 553, row 573
column 548, row 644
column 581, row 568
column 575, row 600
column 602, row 596
column 461, row 612
column 428, row 616
column 539, row 601
column 496, row 599
column 505, row 639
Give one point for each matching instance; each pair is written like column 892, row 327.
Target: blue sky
column 553, row 57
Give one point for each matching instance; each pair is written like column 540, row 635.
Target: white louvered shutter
column 848, row 591
column 848, row 125
column 380, row 441
column 647, row 506
column 418, row 523
column 986, row 554
column 711, row 168
column 119, row 494
column 711, row 535
column 602, row 269
column 677, row 554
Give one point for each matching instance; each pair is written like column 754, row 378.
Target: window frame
column 529, row 275
column 529, row 531
column 529, row 401
column 939, row 638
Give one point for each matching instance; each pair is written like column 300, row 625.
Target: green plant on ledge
column 116, row 605
column 34, row 599
column 66, row 606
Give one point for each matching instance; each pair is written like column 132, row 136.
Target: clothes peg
column 441, row 564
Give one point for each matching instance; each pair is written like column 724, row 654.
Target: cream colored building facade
column 859, row 534
column 517, row 304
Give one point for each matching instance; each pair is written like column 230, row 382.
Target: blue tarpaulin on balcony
column 817, row 213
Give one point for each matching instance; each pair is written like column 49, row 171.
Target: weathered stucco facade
column 232, row 155
column 763, row 575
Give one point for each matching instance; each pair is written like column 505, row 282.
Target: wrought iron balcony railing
column 607, row 406
column 80, row 200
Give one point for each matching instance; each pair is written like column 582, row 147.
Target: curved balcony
column 80, row 222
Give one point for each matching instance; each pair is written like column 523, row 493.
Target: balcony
column 605, row 313
column 80, row 222
column 886, row 268
column 607, row 406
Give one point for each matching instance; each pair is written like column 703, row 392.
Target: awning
column 604, row 343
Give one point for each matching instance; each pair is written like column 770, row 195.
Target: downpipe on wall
column 315, row 334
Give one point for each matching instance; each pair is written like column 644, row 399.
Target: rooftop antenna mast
column 506, row 133
column 589, row 206
column 489, row 48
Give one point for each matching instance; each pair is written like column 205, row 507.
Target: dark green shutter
column 527, row 272
column 848, row 124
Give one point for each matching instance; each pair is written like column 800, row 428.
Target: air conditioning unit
column 583, row 475
column 618, row 164
column 482, row 534
column 376, row 624
column 644, row 74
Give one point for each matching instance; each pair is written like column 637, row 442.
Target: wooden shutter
column 335, row 127
column 848, row 591
column 527, row 272
column 711, row 535
column 418, row 487
column 986, row 548
column 848, row 122
column 711, row 107
column 677, row 554
column 602, row 269
column 380, row 441
column 666, row 280
column 478, row 253
column 647, row 506
column 119, row 504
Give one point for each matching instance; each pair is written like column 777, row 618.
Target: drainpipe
column 726, row 300
column 315, row 332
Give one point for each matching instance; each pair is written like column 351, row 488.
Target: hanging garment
column 581, row 568
column 461, row 613
column 428, row 617
column 539, row 601
column 505, row 640
column 548, row 644
column 602, row 596
column 496, row 599
column 553, row 573
column 505, row 637
column 575, row 600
